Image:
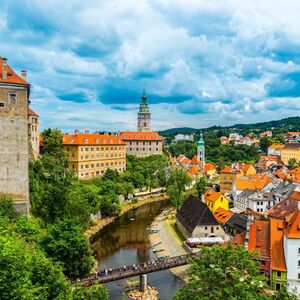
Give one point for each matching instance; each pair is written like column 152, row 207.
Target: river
column 126, row 242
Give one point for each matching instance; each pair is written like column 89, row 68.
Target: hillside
column 287, row 124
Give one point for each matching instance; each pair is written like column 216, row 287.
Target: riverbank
column 100, row 224
column 169, row 240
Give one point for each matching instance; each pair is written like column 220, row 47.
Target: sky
column 202, row 63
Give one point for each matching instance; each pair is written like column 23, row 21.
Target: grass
column 175, row 230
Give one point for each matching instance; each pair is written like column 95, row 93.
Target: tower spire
column 144, row 115
column 201, row 150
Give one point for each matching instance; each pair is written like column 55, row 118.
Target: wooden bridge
column 109, row 275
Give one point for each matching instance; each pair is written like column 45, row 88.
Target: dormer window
column 111, row 141
column 13, row 101
column 104, row 141
column 97, row 141
column 85, row 141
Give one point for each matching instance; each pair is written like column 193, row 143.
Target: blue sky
column 202, row 63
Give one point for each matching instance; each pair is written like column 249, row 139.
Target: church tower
column 201, row 151
column 144, row 115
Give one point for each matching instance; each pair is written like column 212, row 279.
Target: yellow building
column 90, row 155
column 290, row 151
column 215, row 200
column 248, row 170
column 228, row 177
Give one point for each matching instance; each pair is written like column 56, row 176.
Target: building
column 290, row 151
column 34, row 134
column 228, row 177
column 142, row 143
column 236, row 224
column 240, row 202
column 214, row 200
column 90, row 155
column 184, row 137
column 294, row 175
column 194, row 219
column 266, row 134
column 14, row 100
column 275, row 150
column 261, row 201
column 293, row 137
column 144, row 115
column 269, row 162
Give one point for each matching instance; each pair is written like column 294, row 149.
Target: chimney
column 23, row 74
column 76, row 131
column 4, row 68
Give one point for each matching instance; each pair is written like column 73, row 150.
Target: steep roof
column 254, row 182
column 246, row 168
column 32, row 113
column 212, row 195
column 193, row 170
column 291, row 146
column 140, row 136
column 12, row 77
column 195, row 213
column 222, row 215
column 293, row 231
column 238, row 222
column 91, row 139
column 209, row 167
column 195, row 160
column 259, row 237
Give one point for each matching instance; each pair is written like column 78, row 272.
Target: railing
column 106, row 275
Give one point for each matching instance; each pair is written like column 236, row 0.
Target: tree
column 178, row 182
column 224, row 273
column 66, row 244
column 201, row 185
column 96, row 292
column 265, row 142
column 6, row 207
column 292, row 163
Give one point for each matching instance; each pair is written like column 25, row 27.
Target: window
column 277, row 287
column 298, row 275
column 278, row 273
column 298, row 250
column 205, row 228
column 298, row 263
column 1, row 104
column 13, row 101
column 212, row 229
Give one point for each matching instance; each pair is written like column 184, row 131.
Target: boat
column 156, row 244
column 158, row 250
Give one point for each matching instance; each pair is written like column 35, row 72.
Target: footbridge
column 109, row 275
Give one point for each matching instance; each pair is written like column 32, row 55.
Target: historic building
column 144, row 115
column 214, row 200
column 201, row 151
column 14, row 99
column 290, row 151
column 34, row 135
column 90, row 155
column 142, row 143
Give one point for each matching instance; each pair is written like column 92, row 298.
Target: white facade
column 274, row 151
column 292, row 260
column 184, row 137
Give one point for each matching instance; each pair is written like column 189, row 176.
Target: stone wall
column 14, row 145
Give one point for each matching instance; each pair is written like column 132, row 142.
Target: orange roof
column 246, row 168
column 280, row 174
column 222, row 215
column 32, row 113
column 186, row 161
column 254, row 182
column 294, row 132
column 276, row 245
column 91, row 139
column 140, row 136
column 259, row 237
column 209, row 167
column 195, row 160
column 229, row 169
column 239, row 239
column 193, row 171
column 293, row 231
column 276, row 146
column 172, row 159
column 295, row 171
column 212, row 195
column 12, row 77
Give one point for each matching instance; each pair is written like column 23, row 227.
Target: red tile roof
column 193, row 170
column 222, row 215
column 12, row 77
column 209, row 167
column 140, row 136
column 92, row 139
column 293, row 230
column 32, row 113
column 195, row 160
column 212, row 195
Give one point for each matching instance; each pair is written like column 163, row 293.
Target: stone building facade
column 144, row 115
column 142, row 143
column 90, row 155
column 14, row 99
column 34, row 135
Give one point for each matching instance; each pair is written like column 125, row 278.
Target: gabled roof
column 195, row 213
column 195, row 160
column 193, row 170
column 222, row 215
column 238, row 222
column 91, row 139
column 209, row 167
column 12, row 77
column 246, row 168
column 32, row 113
column 259, row 237
column 291, row 146
column 254, row 182
column 140, row 136
column 293, row 230
column 213, row 196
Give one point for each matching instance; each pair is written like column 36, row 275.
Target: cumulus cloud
column 201, row 62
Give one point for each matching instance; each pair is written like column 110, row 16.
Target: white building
column 184, row 137
column 291, row 244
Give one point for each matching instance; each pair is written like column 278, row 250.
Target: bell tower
column 201, row 151
column 144, row 115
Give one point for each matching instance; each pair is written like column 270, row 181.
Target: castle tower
column 201, row 151
column 144, row 115
column 14, row 99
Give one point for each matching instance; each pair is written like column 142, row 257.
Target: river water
column 126, row 242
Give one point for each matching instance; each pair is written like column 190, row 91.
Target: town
column 208, row 192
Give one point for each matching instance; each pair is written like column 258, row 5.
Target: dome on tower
column 201, row 141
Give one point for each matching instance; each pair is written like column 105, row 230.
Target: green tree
column 265, row 142
column 292, row 163
column 66, row 244
column 201, row 185
column 96, row 292
column 224, row 273
column 178, row 182
column 6, row 207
